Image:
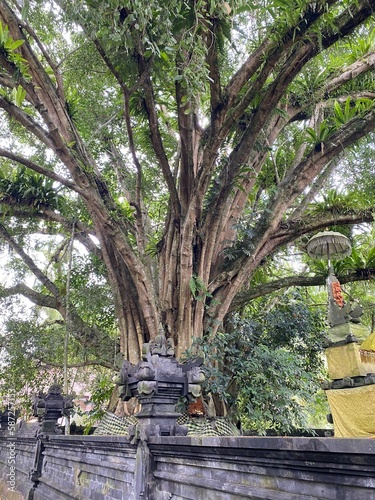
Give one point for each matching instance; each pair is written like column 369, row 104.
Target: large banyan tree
column 181, row 144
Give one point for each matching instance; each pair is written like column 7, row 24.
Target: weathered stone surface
column 24, row 459
column 199, row 468
column 264, row 468
column 349, row 332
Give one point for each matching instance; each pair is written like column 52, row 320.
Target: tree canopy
column 182, row 148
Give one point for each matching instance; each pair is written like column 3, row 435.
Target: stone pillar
column 158, row 382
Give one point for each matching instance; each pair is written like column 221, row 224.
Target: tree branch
column 31, row 264
column 41, row 170
column 314, row 189
column 286, row 232
column 156, row 139
column 7, row 81
column 83, row 332
column 26, row 121
column 269, row 53
column 158, row 146
column 82, row 232
column 46, row 99
column 53, row 66
column 292, row 229
column 39, row 299
column 309, row 45
column 304, row 173
column 213, row 65
column 360, row 67
column 366, row 63
column 254, row 292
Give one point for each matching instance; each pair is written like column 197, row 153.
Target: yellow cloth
column 346, row 361
column 369, row 343
column 353, row 411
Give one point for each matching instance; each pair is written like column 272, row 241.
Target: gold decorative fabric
column 348, row 361
column 369, row 343
column 353, row 411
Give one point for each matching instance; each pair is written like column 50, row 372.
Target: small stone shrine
column 350, row 351
column 158, row 382
column 351, row 367
column 50, row 407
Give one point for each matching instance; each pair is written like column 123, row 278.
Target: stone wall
column 179, row 468
column 24, row 448
column 271, row 468
column 87, row 467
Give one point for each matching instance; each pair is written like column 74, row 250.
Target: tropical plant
column 266, row 367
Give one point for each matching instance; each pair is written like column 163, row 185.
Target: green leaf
column 339, row 115
column 164, row 56
column 18, row 95
column 193, row 285
column 313, row 136
column 14, row 45
column 370, row 261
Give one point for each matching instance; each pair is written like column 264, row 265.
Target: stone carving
column 158, row 382
column 195, row 379
column 50, row 407
column 160, row 346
